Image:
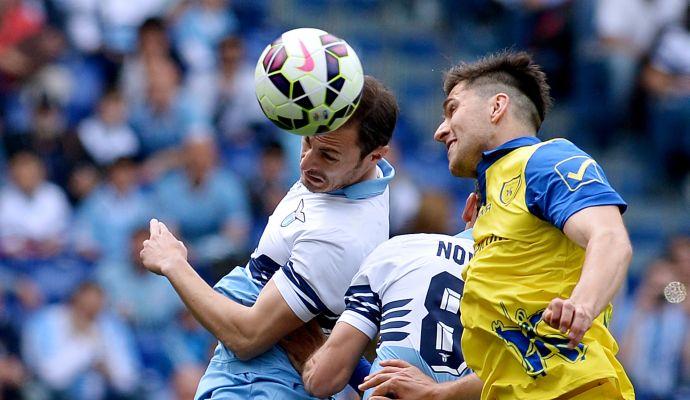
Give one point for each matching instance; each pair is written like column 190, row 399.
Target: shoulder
column 552, row 152
column 559, row 158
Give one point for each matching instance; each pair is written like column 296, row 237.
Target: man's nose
column 442, row 131
column 307, row 160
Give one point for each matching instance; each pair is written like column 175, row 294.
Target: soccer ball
column 308, row 81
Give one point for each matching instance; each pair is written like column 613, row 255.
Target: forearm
column 465, row 388
column 330, row 368
column 606, row 263
column 325, row 374
column 228, row 321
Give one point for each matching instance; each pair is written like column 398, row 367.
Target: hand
column 302, row 343
column 162, row 250
column 400, row 380
column 567, row 315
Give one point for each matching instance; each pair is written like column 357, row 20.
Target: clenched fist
column 162, row 250
column 567, row 315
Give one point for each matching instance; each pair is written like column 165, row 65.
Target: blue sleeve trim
column 361, row 371
column 305, row 292
column 365, row 302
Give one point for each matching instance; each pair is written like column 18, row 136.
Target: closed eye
column 328, row 157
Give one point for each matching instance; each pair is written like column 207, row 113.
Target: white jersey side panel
column 409, row 288
column 313, row 245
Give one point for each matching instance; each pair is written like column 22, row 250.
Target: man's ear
column 499, row 107
column 379, row 153
column 469, row 213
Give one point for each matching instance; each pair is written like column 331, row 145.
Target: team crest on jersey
column 578, row 171
column 509, row 190
column 297, row 215
column 535, row 350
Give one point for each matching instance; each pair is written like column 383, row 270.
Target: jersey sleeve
column 562, row 180
column 314, row 279
column 362, row 306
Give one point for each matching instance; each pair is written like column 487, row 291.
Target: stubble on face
column 465, row 111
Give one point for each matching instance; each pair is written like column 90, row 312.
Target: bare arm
column 247, row 331
column 400, row 380
column 331, row 367
column 608, row 252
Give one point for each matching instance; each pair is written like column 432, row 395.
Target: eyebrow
column 330, row 150
column 445, row 105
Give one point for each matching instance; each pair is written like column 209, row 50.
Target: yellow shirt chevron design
column 522, row 261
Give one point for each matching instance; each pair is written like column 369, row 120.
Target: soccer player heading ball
column 305, row 260
column 551, row 247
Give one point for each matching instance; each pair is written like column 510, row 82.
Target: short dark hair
column 152, row 24
column 515, row 70
column 376, row 116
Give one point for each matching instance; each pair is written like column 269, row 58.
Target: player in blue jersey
column 308, row 253
column 408, row 290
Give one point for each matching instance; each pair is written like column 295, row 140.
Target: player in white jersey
column 408, row 290
column 311, row 248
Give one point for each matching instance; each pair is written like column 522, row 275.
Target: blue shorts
column 268, row 376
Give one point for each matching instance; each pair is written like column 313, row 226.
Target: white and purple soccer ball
column 308, row 81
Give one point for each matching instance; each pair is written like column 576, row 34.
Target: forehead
column 459, row 91
column 343, row 139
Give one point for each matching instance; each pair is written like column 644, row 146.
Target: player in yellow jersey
column 551, row 247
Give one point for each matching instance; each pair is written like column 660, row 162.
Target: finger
column 385, row 370
column 375, row 380
column 556, row 308
column 567, row 314
column 153, row 227
column 395, row 363
column 386, row 389
column 581, row 324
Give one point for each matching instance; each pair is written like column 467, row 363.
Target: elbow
column 627, row 250
column 242, row 347
column 317, row 383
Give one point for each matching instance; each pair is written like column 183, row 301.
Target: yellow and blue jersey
column 522, row 261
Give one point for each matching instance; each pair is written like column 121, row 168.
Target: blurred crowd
column 112, row 113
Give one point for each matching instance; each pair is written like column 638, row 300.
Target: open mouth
column 313, row 178
column 450, row 145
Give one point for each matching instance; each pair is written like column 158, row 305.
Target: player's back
column 409, row 288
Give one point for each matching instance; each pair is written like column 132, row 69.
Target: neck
column 506, row 136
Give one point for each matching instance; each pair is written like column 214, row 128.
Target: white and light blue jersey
column 409, row 289
column 312, row 246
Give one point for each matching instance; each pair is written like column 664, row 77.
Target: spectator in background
column 146, row 301
column 153, row 44
column 83, row 180
column 654, row 338
column 626, row 30
column 185, row 381
column 95, row 25
column 106, row 219
column 667, row 78
column 405, row 197
column 433, row 215
column 199, row 29
column 164, row 118
column 208, row 205
column 34, row 213
column 228, row 94
column 269, row 186
column 107, row 136
column 19, row 24
column 12, row 371
column 79, row 351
